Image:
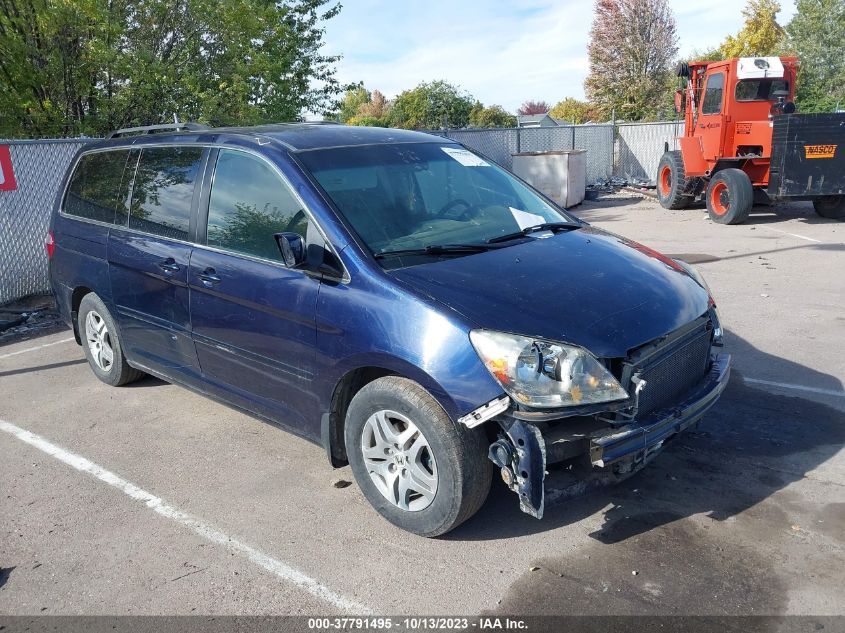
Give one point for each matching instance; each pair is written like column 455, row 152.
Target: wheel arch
column 76, row 297
column 352, row 379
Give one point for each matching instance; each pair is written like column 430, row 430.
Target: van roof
column 294, row 136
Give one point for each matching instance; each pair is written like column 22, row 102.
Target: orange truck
column 743, row 141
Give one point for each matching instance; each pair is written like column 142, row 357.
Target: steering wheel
column 466, row 214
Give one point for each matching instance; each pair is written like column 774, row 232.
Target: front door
column 254, row 319
column 149, row 252
column 711, row 124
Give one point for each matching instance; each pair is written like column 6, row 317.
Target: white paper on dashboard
column 525, row 219
column 465, row 157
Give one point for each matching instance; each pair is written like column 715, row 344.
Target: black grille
column 669, row 377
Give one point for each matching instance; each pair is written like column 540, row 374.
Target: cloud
column 501, row 52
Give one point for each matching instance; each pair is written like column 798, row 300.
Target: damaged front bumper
column 521, row 449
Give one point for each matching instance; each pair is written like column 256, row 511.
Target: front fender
column 380, row 325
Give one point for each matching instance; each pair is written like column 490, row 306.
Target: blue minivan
column 421, row 313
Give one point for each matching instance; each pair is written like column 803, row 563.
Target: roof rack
column 155, row 129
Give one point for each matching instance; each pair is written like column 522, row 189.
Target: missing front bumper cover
column 521, row 448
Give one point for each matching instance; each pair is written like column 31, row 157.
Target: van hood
column 587, row 287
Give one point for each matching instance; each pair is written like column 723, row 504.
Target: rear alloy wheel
column 420, row 470
column 832, row 207
column 101, row 342
column 729, row 196
column 672, row 183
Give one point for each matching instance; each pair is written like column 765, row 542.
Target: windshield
column 760, row 89
column 418, row 195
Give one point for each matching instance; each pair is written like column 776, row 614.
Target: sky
column 501, row 52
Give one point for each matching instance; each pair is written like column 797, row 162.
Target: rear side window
column 249, row 203
column 94, row 188
column 163, row 191
column 712, row 102
column 760, row 89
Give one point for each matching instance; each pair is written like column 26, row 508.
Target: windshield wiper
column 547, row 226
column 435, row 249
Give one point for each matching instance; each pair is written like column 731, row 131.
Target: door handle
column 169, row 265
column 209, row 277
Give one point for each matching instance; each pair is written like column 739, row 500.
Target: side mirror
column 781, row 106
column 292, row 248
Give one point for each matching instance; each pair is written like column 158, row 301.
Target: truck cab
column 728, row 114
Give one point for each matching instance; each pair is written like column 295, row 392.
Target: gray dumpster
column 561, row 175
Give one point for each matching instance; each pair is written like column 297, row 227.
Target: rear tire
column 832, row 207
column 729, row 196
column 439, row 477
column 672, row 183
column 102, row 345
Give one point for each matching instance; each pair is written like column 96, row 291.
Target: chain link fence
column 500, row 144
column 639, row 147
column 630, row 151
column 25, row 214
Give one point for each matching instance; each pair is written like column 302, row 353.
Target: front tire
column 102, row 345
column 672, row 183
column 417, row 468
column 832, row 207
column 730, row 196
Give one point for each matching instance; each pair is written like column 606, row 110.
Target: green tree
column 490, row 116
column 353, row 99
column 816, row 34
column 431, row 106
column 361, row 107
column 760, row 35
column 632, row 48
column 573, row 111
column 89, row 66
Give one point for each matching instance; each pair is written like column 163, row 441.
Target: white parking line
column 787, row 385
column 274, row 566
column 800, row 237
column 37, row 347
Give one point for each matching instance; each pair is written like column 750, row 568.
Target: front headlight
column 545, row 374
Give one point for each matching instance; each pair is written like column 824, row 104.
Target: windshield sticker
column 525, row 219
column 465, row 157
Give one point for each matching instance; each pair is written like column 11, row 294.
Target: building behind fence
column 630, row 151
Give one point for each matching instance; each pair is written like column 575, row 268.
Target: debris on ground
column 630, row 183
column 31, row 316
column 341, row 483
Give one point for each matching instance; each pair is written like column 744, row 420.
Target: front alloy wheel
column 399, row 460
column 418, row 468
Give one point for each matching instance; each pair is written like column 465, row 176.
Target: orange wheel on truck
column 729, row 196
column 672, row 183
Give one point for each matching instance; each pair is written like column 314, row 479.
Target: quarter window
column 163, row 191
column 712, row 102
column 248, row 204
column 93, row 191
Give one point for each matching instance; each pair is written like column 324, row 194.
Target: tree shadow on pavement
column 752, row 444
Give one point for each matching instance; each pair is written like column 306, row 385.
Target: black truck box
column 808, row 156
